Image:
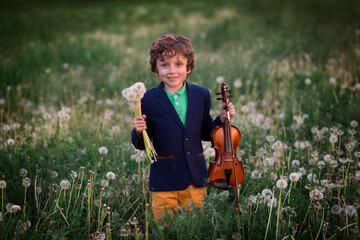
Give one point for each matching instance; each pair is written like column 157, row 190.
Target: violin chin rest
column 221, row 183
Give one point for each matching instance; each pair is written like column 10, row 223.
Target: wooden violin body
column 226, row 171
column 221, row 170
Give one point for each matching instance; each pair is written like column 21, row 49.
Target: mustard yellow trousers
column 173, row 199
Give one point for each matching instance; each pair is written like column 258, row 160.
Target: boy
column 176, row 116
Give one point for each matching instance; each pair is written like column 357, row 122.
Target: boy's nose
column 171, row 69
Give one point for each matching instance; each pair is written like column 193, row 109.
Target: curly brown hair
column 168, row 46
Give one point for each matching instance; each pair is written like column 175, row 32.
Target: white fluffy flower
column 295, row 176
column 26, row 182
column 2, row 184
column 281, row 183
column 110, row 175
column 316, row 194
column 134, row 94
column 65, row 184
column 103, row 150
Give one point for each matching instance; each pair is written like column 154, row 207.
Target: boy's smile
column 172, row 72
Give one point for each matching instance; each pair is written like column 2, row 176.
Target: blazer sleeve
column 208, row 122
column 137, row 142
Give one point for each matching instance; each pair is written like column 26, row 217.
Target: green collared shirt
column 179, row 101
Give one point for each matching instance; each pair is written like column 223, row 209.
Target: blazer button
column 186, row 138
column 188, row 153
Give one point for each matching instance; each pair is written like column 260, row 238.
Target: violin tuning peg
column 217, row 93
column 231, row 96
column 229, row 91
column 219, row 98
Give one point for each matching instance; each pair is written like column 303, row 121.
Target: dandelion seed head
column 354, row 124
column 23, row 172
column 53, row 174
column 110, row 175
column 333, row 138
column 266, row 193
column 2, row 184
column 307, row 81
column 281, row 183
column 332, row 80
column 316, row 194
column 73, row 174
column 10, row 142
column 237, row 83
column 15, row 208
column 26, row 182
column 295, row 176
column 103, row 150
column 336, row 209
column 65, row 184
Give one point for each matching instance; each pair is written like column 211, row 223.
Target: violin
column 226, row 171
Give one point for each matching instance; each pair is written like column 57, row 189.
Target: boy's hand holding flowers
column 133, row 95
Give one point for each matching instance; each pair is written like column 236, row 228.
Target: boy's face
column 172, row 72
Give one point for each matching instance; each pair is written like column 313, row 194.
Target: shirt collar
column 180, row 92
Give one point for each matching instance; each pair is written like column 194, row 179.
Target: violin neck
column 227, row 136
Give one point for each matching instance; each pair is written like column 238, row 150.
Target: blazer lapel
column 165, row 103
column 191, row 104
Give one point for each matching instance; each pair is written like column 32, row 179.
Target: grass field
column 69, row 170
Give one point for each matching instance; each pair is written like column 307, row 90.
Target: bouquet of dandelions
column 133, row 95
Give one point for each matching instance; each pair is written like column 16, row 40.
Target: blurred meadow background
column 67, row 166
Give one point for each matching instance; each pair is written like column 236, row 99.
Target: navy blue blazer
column 180, row 157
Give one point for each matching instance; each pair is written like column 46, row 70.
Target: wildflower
column 316, row 194
column 100, row 236
column 256, row 174
column 15, row 208
column 65, row 184
column 281, row 183
column 332, row 80
column 294, row 177
column 312, row 177
column 103, row 150
column 133, row 95
column 354, row 124
column 349, row 146
column 134, row 221
column 266, row 193
column 224, row 193
column 23, row 172
column 26, row 182
column 110, row 175
column 270, row 138
column 8, row 207
column 336, row 209
column 10, row 142
column 344, row 160
column 48, row 70
column 104, row 183
column 269, row 161
column 350, row 210
column 237, row 83
column 328, row 158
column 295, row 163
column 47, row 116
column 53, row 174
column 220, row 79
column 73, row 174
column 307, row 81
column 333, row 138
column 115, row 129
column 272, row 200
column 2, row 184
column 38, row 190
column 124, row 232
